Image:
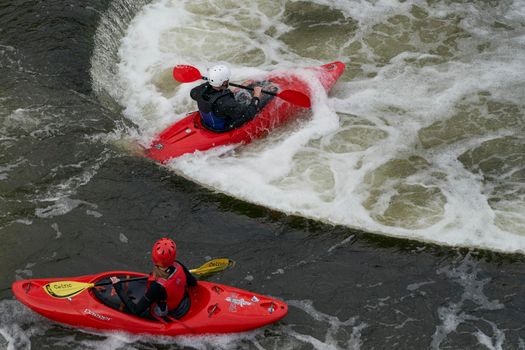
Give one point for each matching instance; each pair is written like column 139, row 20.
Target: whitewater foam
column 385, row 152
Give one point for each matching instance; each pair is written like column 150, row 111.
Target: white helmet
column 218, row 74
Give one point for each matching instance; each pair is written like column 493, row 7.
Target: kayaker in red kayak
column 219, row 109
column 166, row 294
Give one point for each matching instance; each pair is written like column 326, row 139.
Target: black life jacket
column 206, row 104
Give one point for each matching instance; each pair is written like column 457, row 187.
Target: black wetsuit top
column 224, row 105
column 154, row 293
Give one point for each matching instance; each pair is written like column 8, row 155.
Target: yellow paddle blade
column 66, row 289
column 213, row 266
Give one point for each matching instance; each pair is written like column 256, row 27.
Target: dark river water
column 75, row 201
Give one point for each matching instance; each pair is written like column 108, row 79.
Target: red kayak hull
column 189, row 135
column 215, row 308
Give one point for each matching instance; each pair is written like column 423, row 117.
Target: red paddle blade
column 295, row 97
column 186, row 74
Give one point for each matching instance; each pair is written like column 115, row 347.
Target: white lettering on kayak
column 234, row 301
column 94, row 314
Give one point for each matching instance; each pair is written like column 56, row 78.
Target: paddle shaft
column 187, row 74
column 251, row 89
column 247, row 88
column 122, row 281
column 202, row 270
column 68, row 289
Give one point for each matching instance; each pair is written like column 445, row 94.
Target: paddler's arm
column 256, row 99
column 228, row 107
column 191, row 281
column 152, row 294
column 196, row 92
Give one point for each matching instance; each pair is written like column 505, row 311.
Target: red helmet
column 164, row 252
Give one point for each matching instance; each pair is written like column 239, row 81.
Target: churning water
column 421, row 138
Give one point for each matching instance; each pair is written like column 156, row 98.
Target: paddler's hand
column 114, row 280
column 257, row 92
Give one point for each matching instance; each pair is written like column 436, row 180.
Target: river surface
column 390, row 217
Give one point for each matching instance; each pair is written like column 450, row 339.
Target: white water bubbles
column 382, row 152
column 25, row 272
column 18, row 324
column 331, row 332
column 463, row 311
column 5, row 169
column 23, row 329
column 104, row 60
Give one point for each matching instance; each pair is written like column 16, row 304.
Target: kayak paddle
column 213, row 266
column 68, row 289
column 186, row 74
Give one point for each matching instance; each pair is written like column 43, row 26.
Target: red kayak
column 189, row 134
column 215, row 308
